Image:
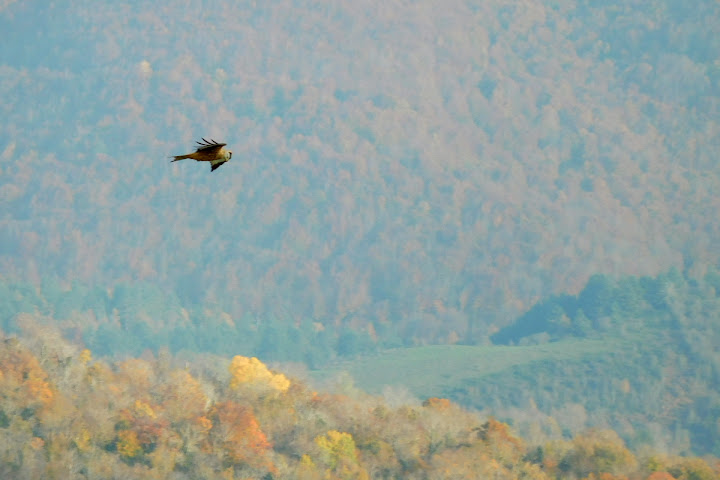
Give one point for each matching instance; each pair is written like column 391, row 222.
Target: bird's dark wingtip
column 208, row 143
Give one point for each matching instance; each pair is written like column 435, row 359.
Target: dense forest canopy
column 405, row 174
column 435, row 167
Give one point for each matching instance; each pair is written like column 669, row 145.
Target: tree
column 128, row 444
column 337, row 451
column 251, row 371
column 141, row 425
column 503, row 446
column 237, row 433
column 25, row 384
column 598, row 451
column 692, row 469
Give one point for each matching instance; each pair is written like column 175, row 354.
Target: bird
column 208, row 151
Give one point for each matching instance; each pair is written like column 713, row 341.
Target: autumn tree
column 502, row 443
column 140, row 429
column 339, row 455
column 24, row 384
column 250, row 372
column 237, row 433
column 598, row 452
column 693, row 469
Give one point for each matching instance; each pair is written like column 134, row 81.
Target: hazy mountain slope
column 636, row 354
column 421, row 169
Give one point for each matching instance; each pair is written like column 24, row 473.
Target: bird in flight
column 208, row 151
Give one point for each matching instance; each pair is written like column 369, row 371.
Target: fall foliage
column 244, row 370
column 500, row 153
column 532, row 184
column 151, row 418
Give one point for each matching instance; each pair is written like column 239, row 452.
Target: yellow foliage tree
column 83, row 440
column 143, row 409
column 339, row 453
column 145, row 421
column 336, row 447
column 307, row 470
column 244, row 370
column 85, row 356
column 128, row 444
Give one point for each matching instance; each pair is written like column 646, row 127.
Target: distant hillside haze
column 417, row 172
column 508, row 205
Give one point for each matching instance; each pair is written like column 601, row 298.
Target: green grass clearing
column 433, row 370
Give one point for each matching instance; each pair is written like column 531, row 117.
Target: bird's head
column 228, row 155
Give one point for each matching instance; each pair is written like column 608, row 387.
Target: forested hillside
column 430, row 168
column 642, row 360
column 64, row 414
column 405, row 175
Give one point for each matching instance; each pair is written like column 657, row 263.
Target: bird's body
column 208, row 151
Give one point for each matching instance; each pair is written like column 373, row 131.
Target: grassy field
column 436, row 370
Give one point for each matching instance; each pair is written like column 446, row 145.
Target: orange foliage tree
column 503, row 445
column 23, row 382
column 237, row 432
column 141, row 426
column 660, row 476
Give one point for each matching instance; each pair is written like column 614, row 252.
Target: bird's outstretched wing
column 209, row 146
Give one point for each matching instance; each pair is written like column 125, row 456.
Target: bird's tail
column 180, row 157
